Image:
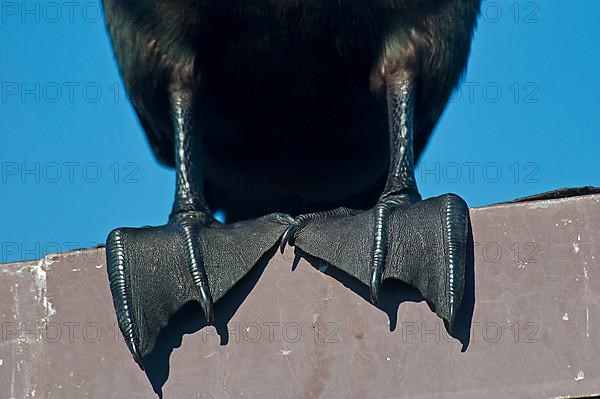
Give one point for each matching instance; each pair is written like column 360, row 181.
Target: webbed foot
column 423, row 244
column 154, row 271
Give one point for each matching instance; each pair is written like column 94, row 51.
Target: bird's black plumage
column 312, row 108
column 289, row 88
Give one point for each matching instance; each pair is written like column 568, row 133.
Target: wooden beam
column 534, row 331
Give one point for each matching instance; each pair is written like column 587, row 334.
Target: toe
column 149, row 282
column 116, row 267
column 190, row 235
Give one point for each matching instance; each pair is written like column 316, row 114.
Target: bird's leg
column 190, row 210
column 154, row 271
column 401, row 184
column 401, row 187
column 422, row 243
column 189, row 193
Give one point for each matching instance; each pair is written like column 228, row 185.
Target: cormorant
column 311, row 112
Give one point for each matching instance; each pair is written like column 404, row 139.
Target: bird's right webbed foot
column 154, row 271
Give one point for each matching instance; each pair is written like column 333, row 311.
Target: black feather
column 288, row 92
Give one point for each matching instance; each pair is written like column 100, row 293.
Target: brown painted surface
column 535, row 330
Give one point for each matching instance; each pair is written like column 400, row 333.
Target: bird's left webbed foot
column 422, row 243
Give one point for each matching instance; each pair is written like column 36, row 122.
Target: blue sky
column 74, row 163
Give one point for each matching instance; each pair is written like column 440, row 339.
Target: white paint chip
column 540, row 205
column 315, row 317
column 39, row 273
column 580, row 376
column 587, row 321
column 565, row 317
column 285, row 352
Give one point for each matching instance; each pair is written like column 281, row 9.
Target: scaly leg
column 401, row 187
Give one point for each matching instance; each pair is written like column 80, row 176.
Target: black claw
column 287, row 237
column 375, row 286
column 137, row 357
column 451, row 320
column 201, row 282
column 207, row 303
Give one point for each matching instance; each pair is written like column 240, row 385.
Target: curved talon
column 288, row 237
column 207, row 303
column 375, row 286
